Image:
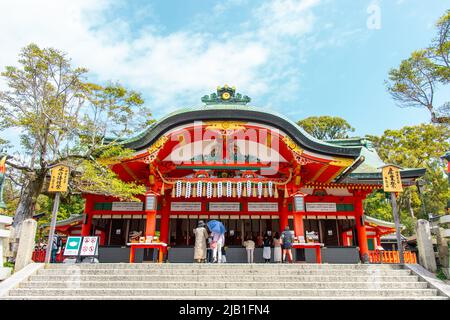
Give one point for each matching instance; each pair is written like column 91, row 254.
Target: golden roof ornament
column 226, row 95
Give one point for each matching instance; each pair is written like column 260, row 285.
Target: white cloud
column 178, row 65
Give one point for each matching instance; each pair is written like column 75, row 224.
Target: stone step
column 226, row 266
column 224, row 285
column 201, row 298
column 224, row 292
column 229, row 278
column 349, row 272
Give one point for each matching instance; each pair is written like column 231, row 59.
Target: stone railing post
column 425, row 245
column 444, row 237
column 4, row 244
column 26, row 244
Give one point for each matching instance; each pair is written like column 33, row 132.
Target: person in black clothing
column 267, row 242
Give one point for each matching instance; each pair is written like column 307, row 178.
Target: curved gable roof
column 238, row 112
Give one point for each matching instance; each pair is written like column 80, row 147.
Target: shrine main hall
column 254, row 170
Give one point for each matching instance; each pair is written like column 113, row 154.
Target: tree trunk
column 28, row 198
column 411, row 211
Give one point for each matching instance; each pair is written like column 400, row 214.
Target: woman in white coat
column 200, row 242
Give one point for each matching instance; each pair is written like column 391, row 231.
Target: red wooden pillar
column 165, row 220
column 284, row 219
column 361, row 229
column 150, row 211
column 87, row 219
column 298, row 225
column 150, row 224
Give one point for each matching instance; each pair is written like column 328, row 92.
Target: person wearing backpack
column 286, row 244
column 56, row 245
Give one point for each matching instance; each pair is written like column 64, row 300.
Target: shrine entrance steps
column 224, row 281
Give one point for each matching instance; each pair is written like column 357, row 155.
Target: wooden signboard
column 59, row 179
column 392, row 182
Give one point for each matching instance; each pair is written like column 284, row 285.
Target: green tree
column 326, row 127
column 419, row 147
column 417, row 80
column 64, row 119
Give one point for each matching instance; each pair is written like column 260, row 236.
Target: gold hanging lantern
column 275, row 193
column 183, row 190
column 297, row 180
column 234, row 192
column 173, row 191
column 214, row 187
column 204, row 189
column 194, row 190
column 244, row 190
column 286, row 194
column 265, row 191
column 151, row 179
column 162, row 189
column 254, row 194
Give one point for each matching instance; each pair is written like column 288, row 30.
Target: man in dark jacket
column 286, row 243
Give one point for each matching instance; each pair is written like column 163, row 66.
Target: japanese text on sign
column 59, row 179
column 392, row 182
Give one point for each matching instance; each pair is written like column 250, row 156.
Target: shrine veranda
column 250, row 168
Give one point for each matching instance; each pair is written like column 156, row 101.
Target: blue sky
column 298, row 57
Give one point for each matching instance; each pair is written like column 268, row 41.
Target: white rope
column 199, row 189
column 270, row 186
column 179, row 185
column 229, row 189
column 239, row 189
column 188, row 189
column 209, row 189
column 260, row 187
column 219, row 189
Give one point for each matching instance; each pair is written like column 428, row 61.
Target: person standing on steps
column 56, row 246
column 249, row 245
column 267, row 242
column 200, row 242
column 218, row 241
column 276, row 248
column 286, row 243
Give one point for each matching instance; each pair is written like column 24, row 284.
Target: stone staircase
column 225, row 281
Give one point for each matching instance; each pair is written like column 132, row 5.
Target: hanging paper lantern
column 188, row 189
column 219, row 189
column 199, row 189
column 229, row 191
column 249, row 189
column 239, row 189
column 260, row 187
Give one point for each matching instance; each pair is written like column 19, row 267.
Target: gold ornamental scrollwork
column 341, row 162
column 292, row 146
column 225, row 125
column 154, row 148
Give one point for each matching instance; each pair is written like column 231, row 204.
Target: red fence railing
column 379, row 256
column 39, row 256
